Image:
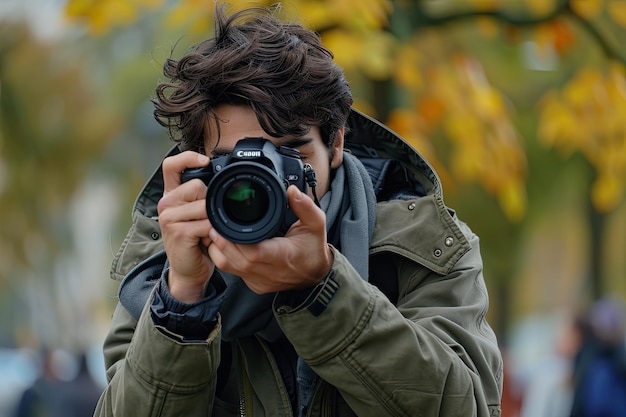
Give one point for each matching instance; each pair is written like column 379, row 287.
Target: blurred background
column 519, row 104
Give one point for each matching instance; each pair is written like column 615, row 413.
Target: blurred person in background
column 372, row 303
column 52, row 395
column 42, row 399
column 600, row 364
column 550, row 392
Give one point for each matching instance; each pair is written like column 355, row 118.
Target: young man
column 371, row 304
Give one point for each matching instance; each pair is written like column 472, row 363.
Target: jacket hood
column 380, row 141
column 365, row 138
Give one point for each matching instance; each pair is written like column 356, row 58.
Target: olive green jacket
column 426, row 352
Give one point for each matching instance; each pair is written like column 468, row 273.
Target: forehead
column 234, row 122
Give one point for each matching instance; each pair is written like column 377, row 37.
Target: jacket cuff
column 188, row 322
column 314, row 299
column 342, row 318
column 160, row 359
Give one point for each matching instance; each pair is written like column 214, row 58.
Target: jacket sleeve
column 152, row 373
column 433, row 354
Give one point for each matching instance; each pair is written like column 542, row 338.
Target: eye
column 304, row 156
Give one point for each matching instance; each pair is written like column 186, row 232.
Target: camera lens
column 246, row 202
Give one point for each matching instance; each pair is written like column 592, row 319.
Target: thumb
column 304, row 207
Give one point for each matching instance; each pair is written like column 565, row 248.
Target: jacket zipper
column 242, row 402
column 244, row 389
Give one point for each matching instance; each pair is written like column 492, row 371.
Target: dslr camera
column 246, row 199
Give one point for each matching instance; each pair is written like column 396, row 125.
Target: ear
column 337, row 149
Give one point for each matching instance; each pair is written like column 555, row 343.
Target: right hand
column 185, row 228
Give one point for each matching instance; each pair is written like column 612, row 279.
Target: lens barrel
column 246, row 202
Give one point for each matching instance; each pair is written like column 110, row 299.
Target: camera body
column 246, row 198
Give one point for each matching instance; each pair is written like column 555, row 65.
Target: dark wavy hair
column 281, row 70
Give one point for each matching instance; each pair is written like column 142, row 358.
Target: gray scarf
column 355, row 205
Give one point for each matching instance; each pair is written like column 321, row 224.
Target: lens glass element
column 246, row 202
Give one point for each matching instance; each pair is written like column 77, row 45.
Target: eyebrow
column 290, row 143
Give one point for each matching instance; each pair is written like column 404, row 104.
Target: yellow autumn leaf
column 579, row 91
column 402, row 121
column 509, row 156
column 513, row 200
column 431, row 109
column 177, row 16
column 488, row 103
column 617, row 10
column 606, row 192
column 587, row 9
column 111, row 14
column 406, row 69
column 488, row 27
column 363, row 15
column 316, row 15
column 541, row 7
column 201, row 26
column 98, row 24
column 467, row 163
column 543, row 37
column 347, row 48
column 492, row 173
column 152, row 4
column 463, row 128
column 443, row 82
column 78, row 8
column 198, row 14
column 101, row 16
column 377, row 63
column 363, row 106
column 119, row 12
column 616, row 83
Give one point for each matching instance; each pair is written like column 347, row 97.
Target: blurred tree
column 476, row 85
column 52, row 127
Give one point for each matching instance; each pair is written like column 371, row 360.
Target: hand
column 300, row 259
column 185, row 228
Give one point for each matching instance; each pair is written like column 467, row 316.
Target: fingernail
column 203, row 159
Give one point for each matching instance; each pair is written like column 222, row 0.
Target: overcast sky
column 45, row 15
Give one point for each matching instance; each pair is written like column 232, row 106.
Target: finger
column 195, row 210
column 193, row 191
column 237, row 258
column 194, row 231
column 216, row 252
column 206, row 241
column 301, row 204
column 175, row 165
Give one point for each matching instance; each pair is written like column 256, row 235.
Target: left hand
column 300, row 259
